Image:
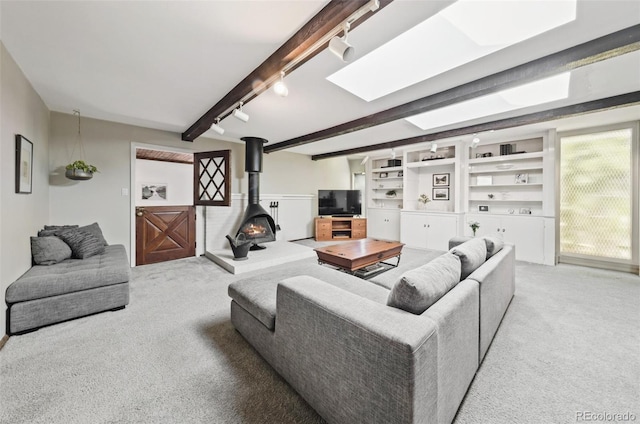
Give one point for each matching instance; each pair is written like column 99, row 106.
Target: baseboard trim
column 3, row 341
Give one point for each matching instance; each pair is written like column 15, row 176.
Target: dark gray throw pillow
column 59, row 227
column 96, row 231
column 83, row 244
column 49, row 250
column 52, row 230
column 419, row 288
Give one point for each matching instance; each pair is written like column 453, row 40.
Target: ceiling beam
column 327, row 20
column 606, row 47
column 516, row 121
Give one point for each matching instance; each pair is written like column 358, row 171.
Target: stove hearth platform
column 276, row 253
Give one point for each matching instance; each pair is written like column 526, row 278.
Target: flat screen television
column 339, row 202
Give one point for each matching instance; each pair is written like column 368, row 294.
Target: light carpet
column 568, row 343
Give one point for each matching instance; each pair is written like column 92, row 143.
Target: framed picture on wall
column 441, row 180
column 24, row 165
column 154, row 191
column 440, row 194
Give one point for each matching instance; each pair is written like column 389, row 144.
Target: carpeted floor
column 568, row 343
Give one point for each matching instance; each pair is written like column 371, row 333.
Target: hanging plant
column 79, row 170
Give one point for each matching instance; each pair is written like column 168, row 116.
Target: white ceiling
column 163, row 64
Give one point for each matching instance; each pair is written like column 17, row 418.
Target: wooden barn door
column 164, row 233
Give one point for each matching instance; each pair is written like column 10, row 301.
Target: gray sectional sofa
column 62, row 287
column 358, row 352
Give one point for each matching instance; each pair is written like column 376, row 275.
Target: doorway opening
column 164, row 222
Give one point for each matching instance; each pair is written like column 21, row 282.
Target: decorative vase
column 78, row 174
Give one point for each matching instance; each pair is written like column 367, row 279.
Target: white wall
column 108, row 146
column 22, row 111
column 178, row 178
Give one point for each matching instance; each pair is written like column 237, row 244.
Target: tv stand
column 340, row 228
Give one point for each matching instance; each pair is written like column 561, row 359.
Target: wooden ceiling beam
column 516, row 121
column 329, row 18
column 606, row 47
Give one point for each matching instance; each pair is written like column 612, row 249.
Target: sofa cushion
column 472, row 254
column 49, row 250
column 71, row 275
column 419, row 288
column 82, row 243
column 494, row 245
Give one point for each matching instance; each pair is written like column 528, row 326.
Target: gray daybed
column 68, row 288
column 358, row 352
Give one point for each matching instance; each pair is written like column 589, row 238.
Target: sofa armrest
column 496, row 278
column 355, row 360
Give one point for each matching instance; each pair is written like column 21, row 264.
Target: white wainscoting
column 295, row 216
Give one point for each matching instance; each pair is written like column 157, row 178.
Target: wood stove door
column 164, row 233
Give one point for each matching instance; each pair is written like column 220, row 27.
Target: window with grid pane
column 596, row 195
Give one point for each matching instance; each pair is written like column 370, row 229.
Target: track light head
column 434, row 147
column 475, row 141
column 216, row 127
column 341, row 48
column 239, row 114
column 280, row 88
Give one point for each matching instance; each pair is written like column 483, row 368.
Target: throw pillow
column 96, row 231
column 59, row 227
column 83, row 244
column 52, row 230
column 472, row 254
column 419, row 288
column 494, row 245
column 49, row 250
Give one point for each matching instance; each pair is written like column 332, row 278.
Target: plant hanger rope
column 79, row 169
column 78, row 142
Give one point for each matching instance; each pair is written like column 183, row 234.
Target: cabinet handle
column 425, row 225
column 503, row 230
column 498, row 230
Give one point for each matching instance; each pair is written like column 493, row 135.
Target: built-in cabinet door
column 439, row 230
column 413, row 230
column 526, row 233
column 528, row 236
column 427, row 231
column 383, row 224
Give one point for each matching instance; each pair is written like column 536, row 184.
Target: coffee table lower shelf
column 364, row 258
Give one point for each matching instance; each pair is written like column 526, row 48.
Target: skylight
column 531, row 94
column 461, row 33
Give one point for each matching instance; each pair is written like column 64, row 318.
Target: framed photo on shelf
column 522, row 178
column 383, row 175
column 441, row 180
column 24, row 165
column 483, row 208
column 440, row 193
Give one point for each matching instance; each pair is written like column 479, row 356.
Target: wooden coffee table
column 360, row 255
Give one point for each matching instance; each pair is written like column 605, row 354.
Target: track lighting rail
column 310, row 40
